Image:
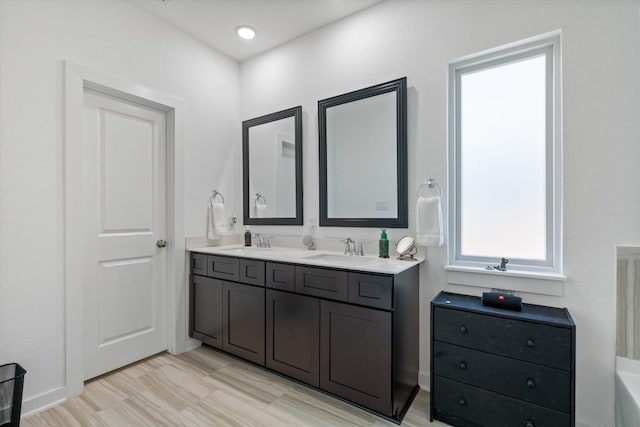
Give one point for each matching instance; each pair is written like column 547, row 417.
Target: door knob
column 161, row 243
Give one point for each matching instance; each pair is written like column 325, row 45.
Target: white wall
column 601, row 111
column 119, row 39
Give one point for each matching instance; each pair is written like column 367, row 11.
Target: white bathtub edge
column 627, row 392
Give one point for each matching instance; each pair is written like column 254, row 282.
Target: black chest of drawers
column 499, row 368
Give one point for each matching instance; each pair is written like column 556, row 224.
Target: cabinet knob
column 462, row 401
column 529, row 423
column 530, row 383
column 463, row 329
column 161, row 243
column 463, row 365
column 531, row 343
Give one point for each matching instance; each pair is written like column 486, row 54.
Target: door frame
column 77, row 78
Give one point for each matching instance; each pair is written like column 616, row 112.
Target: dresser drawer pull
column 463, row 329
column 530, row 383
column 531, row 343
column 529, row 423
column 463, row 365
column 462, row 401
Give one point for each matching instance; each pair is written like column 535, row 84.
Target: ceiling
column 275, row 21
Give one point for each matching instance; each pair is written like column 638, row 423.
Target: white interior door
column 125, row 272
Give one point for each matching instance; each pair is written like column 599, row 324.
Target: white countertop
column 316, row 258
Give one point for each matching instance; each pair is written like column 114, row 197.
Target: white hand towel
column 211, row 229
column 220, row 217
column 429, row 221
column 261, row 210
column 216, row 220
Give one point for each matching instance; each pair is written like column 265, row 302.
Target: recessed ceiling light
column 246, row 32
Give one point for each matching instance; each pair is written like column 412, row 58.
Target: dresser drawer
column 222, row 267
column 371, row 290
column 545, row 386
column 252, row 272
column 532, row 342
column 280, row 276
column 463, row 405
column 199, row 264
column 323, row 283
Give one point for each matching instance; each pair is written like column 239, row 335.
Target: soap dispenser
column 384, row 244
column 247, row 237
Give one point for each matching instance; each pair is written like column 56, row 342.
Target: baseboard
column 43, row 401
column 424, row 380
column 191, row 343
column 583, row 424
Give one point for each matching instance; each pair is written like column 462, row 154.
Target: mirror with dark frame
column 363, row 157
column 272, row 168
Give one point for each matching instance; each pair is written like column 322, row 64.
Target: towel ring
column 430, row 183
column 215, row 194
column 259, row 197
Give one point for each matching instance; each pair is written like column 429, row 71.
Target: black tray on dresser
column 500, row 368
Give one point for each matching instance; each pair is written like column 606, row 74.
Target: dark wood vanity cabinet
column 349, row 333
column 495, row 367
column 228, row 315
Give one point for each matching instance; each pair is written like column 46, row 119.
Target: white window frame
column 546, row 44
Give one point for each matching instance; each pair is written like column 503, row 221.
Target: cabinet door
column 355, row 355
column 206, row 310
column 243, row 310
column 293, row 331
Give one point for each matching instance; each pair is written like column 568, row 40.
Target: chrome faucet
column 349, row 246
column 262, row 241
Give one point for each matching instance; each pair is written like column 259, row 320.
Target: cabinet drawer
column 542, row 344
column 222, row 267
column 324, row 283
column 456, row 403
column 371, row 290
column 252, row 272
column 280, row 276
column 545, row 386
column 199, row 264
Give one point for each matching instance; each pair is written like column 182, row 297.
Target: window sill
column 519, row 281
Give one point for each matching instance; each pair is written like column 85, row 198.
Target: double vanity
column 347, row 325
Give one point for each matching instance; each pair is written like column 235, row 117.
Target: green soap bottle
column 384, row 244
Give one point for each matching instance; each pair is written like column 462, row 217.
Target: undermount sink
column 247, row 250
column 260, row 252
column 343, row 259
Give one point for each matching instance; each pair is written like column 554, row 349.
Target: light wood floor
column 206, row 388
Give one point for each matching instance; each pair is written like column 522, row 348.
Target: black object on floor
column 11, row 384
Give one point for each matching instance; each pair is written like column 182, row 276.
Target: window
column 505, row 157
